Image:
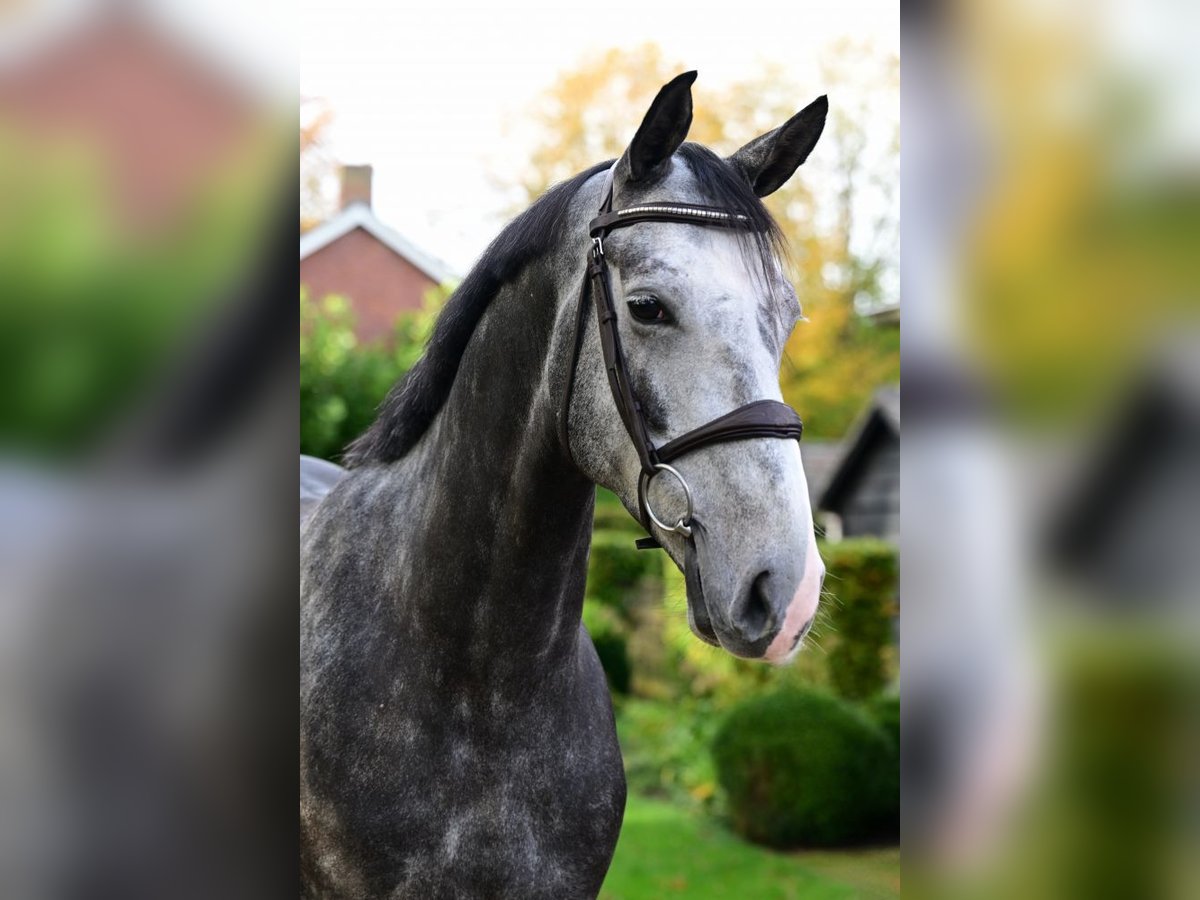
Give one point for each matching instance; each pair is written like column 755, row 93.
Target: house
column 854, row 484
column 160, row 116
column 820, row 459
column 354, row 254
column 887, row 315
column 860, row 494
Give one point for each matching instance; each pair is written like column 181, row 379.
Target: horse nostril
column 754, row 619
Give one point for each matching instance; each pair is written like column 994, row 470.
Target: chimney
column 356, row 185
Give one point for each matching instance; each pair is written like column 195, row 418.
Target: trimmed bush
column 863, row 577
column 804, row 769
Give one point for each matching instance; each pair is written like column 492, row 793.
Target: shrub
column 863, row 579
column 885, row 710
column 609, row 636
column 618, row 573
column 343, row 382
column 803, row 768
column 665, row 750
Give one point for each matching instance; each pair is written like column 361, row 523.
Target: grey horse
column 457, row 736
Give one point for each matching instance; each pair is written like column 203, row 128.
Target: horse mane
column 409, row 408
column 411, row 405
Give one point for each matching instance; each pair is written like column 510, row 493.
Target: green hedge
column 801, row 768
column 863, row 581
column 342, row 382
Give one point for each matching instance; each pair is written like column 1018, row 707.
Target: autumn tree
column 317, row 166
column 838, row 213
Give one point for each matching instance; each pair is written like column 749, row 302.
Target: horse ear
column 770, row 159
column 662, row 130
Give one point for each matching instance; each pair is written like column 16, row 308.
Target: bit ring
column 683, row 525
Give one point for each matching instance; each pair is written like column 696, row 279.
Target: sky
column 432, row 94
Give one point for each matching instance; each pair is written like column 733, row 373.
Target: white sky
column 424, row 92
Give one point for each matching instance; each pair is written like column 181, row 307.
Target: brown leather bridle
column 758, row 419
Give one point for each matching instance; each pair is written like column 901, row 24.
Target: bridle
column 758, row 419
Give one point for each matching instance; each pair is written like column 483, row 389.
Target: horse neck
column 505, row 517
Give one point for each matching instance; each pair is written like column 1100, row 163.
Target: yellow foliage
column 1071, row 273
column 317, row 166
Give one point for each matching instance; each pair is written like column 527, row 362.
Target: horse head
column 702, row 317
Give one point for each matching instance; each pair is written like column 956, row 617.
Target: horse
column 457, row 736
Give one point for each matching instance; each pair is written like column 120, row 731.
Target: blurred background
column 147, row 449
column 1050, row 468
column 744, row 780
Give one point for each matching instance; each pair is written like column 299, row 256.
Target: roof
column 882, row 415
column 887, row 401
column 359, row 215
column 887, row 314
column 820, row 460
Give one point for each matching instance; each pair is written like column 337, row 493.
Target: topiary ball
column 801, row 768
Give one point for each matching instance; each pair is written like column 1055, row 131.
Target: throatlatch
column 758, row 419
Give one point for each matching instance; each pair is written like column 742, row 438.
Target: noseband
column 758, row 419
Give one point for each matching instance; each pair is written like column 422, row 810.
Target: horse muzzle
column 767, row 618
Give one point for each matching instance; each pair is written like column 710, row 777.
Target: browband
column 686, row 213
column 759, row 419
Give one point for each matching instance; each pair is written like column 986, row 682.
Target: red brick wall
column 378, row 283
column 163, row 121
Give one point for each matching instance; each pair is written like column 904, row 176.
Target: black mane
column 411, row 405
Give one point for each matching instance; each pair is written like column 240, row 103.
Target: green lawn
column 667, row 852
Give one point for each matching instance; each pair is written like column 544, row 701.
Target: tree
column 842, row 261
column 317, row 166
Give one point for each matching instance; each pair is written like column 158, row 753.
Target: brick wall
column 378, row 283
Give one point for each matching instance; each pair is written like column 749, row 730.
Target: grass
column 873, row 874
column 667, row 852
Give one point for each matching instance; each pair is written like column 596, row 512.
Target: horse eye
column 647, row 309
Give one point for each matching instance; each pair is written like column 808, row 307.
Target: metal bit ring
column 681, row 527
